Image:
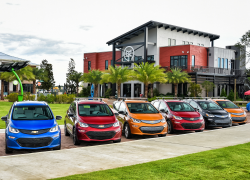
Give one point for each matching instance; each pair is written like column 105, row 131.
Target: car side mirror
column 71, row 115
column 58, row 117
column 196, row 109
column 4, row 118
column 121, row 112
column 116, row 114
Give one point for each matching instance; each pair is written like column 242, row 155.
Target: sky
column 58, row 30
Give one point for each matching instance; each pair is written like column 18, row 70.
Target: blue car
column 31, row 125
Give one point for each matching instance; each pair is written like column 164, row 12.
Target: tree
column 223, row 93
column 48, row 82
column 40, row 74
column 76, row 78
column 71, row 70
column 194, row 89
column 117, row 75
column 208, row 86
column 231, row 96
column 94, row 77
column 149, row 74
column 176, row 76
column 243, row 44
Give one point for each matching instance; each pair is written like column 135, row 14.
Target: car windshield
column 208, row 105
column 32, row 113
column 142, row 108
column 94, row 110
column 227, row 104
column 180, row 106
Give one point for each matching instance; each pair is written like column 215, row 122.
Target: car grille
column 101, row 135
column 34, row 132
column 222, row 124
column 191, row 119
column 34, row 142
column 98, row 126
column 237, row 114
column 151, row 122
column 221, row 116
column 151, row 130
column 191, row 125
column 238, row 119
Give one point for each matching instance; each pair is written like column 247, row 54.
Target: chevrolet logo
column 152, row 121
column 222, row 116
column 34, row 132
column 101, row 126
column 191, row 118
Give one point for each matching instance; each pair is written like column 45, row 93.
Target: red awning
column 247, row 93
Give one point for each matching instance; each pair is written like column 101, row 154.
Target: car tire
column 170, row 127
column 162, row 135
column 57, row 147
column 117, row 141
column 206, row 125
column 127, row 132
column 7, row 150
column 199, row 131
column 66, row 133
column 75, row 138
column 242, row 123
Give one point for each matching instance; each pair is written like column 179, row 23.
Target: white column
column 121, row 90
column 142, row 89
column 132, row 90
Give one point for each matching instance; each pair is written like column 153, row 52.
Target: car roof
column 174, row 101
column 135, row 101
column 30, row 103
column 90, row 102
column 220, row 100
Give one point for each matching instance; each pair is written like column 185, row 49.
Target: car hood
column 186, row 114
column 98, row 119
column 33, row 124
column 216, row 112
column 150, row 117
column 234, row 110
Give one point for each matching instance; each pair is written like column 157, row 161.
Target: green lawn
column 226, row 163
column 58, row 109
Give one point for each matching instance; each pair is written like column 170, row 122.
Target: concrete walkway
column 52, row 164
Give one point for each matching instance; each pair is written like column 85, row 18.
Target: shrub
column 28, row 96
column 194, row 90
column 50, row 98
column 41, row 97
column 12, row 97
column 223, row 93
column 151, row 99
column 231, row 96
column 85, row 92
column 108, row 93
column 156, row 92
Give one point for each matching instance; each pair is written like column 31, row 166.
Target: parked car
column 238, row 115
column 90, row 120
column 141, row 118
column 213, row 114
column 180, row 115
column 31, row 125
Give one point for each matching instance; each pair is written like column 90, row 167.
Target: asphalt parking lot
column 67, row 142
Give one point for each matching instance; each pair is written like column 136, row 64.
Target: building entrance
column 137, row 90
column 126, row 90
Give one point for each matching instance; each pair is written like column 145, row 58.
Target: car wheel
column 199, row 131
column 170, row 127
column 57, row 147
column 242, row 123
column 206, row 125
column 75, row 138
column 127, row 132
column 162, row 135
column 7, row 150
column 66, row 133
column 117, row 141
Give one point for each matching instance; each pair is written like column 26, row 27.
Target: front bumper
column 148, row 129
column 185, row 125
column 218, row 122
column 95, row 134
column 26, row 141
column 239, row 119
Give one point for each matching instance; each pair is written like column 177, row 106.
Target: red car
column 90, row 120
column 180, row 115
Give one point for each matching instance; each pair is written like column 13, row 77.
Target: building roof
column 6, row 57
column 153, row 24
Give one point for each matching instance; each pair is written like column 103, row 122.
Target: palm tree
column 76, row 78
column 148, row 74
column 94, row 77
column 176, row 76
column 117, row 75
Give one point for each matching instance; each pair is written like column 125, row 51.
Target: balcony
column 209, row 70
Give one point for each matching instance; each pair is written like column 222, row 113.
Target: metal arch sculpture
column 12, row 67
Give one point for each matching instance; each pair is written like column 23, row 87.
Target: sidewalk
column 52, row 164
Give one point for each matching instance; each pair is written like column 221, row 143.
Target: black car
column 213, row 114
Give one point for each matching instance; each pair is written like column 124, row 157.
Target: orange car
column 238, row 115
column 140, row 117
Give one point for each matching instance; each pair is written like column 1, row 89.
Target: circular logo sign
column 15, row 82
column 129, row 53
column 39, row 83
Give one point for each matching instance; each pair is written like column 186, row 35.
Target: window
column 202, row 44
column 163, row 106
column 226, row 64
column 198, row 44
column 169, row 41
column 173, row 43
column 180, row 106
column 179, row 61
column 191, row 43
column 116, row 105
column 106, row 64
column 193, row 60
column 209, row 105
column 94, row 110
column 222, row 62
column 219, row 63
column 183, row 42
column 89, row 65
column 156, row 104
column 186, row 42
column 31, row 113
column 137, row 58
column 192, row 103
column 122, row 107
column 150, row 58
column 141, row 108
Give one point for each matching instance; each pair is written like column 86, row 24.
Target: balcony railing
column 208, row 70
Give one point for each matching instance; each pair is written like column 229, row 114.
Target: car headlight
column 201, row 117
column 54, row 129
column 163, row 120
column 177, row 117
column 82, row 124
column 245, row 113
column 13, row 130
column 229, row 115
column 116, row 124
column 136, row 120
column 209, row 115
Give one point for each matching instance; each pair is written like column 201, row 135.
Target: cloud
column 33, row 45
column 86, row 28
column 1, row 23
column 12, row 4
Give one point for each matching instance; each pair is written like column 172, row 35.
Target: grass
column 57, row 109
column 226, row 163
